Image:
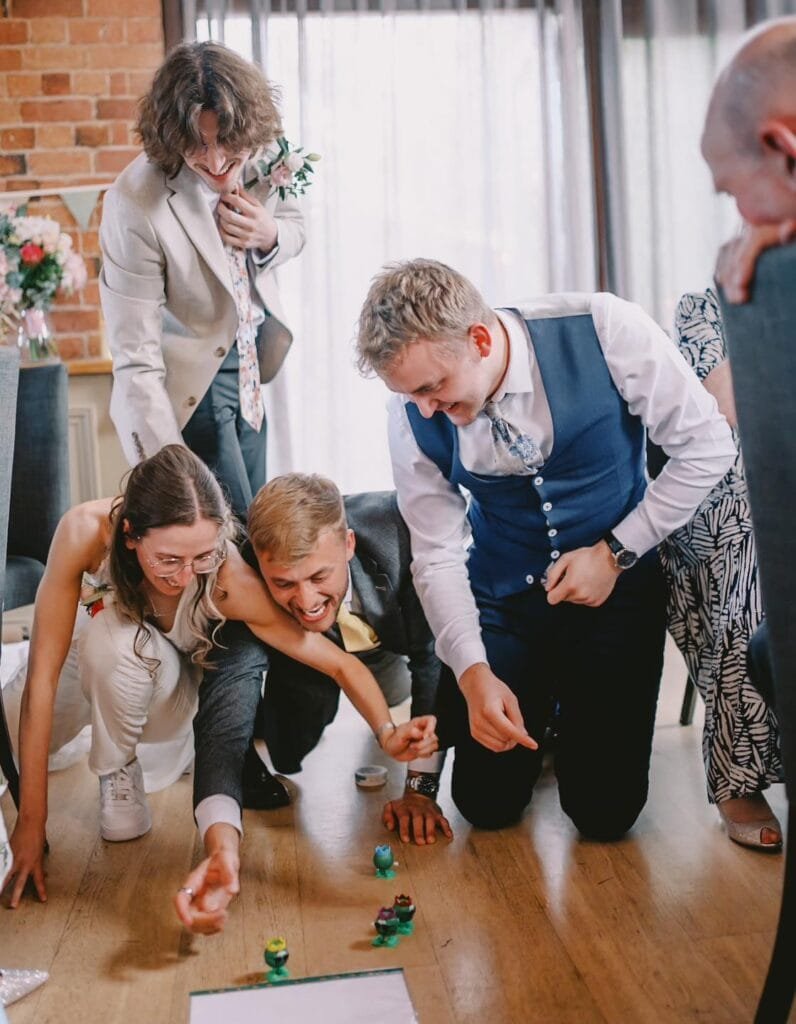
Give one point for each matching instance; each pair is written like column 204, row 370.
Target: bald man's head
column 749, row 140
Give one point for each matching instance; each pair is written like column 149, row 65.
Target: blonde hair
column 290, row 513
column 417, row 300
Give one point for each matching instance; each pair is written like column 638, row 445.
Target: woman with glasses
column 157, row 574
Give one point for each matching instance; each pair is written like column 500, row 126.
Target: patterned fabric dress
column 714, row 599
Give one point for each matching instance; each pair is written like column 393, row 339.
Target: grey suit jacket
column 380, row 573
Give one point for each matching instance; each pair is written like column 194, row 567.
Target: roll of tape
column 370, row 776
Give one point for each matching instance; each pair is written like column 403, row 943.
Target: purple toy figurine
column 386, row 924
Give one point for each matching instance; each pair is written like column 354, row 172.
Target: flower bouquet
column 288, row 172
column 36, row 260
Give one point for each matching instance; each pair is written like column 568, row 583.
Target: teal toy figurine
column 386, row 924
column 384, row 860
column 404, row 911
column 275, row 955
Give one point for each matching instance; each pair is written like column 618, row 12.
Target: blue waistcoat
column 592, row 479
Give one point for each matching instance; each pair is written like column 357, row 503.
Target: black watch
column 623, row 557
column 425, row 783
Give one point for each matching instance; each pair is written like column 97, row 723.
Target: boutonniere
column 288, row 172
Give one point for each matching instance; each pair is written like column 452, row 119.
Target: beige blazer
column 168, row 302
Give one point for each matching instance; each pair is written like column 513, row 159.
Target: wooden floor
column 529, row 924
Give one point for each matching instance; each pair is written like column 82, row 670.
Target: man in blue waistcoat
column 521, row 433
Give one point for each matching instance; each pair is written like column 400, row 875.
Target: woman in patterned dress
column 715, row 607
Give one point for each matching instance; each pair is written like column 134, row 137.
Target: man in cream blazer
column 166, row 284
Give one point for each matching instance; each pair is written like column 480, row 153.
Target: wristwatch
column 425, row 783
column 623, row 557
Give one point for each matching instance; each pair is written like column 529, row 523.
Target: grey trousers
column 220, row 436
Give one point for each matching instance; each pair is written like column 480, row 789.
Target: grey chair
column 761, row 340
column 40, row 479
column 9, row 378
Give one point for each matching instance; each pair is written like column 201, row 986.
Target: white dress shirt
column 259, row 258
column 658, row 386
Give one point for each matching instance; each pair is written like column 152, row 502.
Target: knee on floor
column 488, row 813
column 606, row 818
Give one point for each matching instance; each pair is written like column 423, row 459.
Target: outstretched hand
column 495, row 718
column 201, row 903
column 415, row 738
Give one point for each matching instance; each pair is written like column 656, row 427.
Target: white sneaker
column 124, row 813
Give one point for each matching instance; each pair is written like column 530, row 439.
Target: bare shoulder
column 241, row 593
column 83, row 535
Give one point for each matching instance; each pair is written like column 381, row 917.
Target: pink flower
column 74, row 275
column 31, row 254
column 294, row 162
column 281, row 176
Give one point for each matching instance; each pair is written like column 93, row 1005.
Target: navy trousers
column 601, row 668
column 220, row 436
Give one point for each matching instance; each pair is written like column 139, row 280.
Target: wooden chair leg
column 689, row 703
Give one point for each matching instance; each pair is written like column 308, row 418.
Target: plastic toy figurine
column 405, row 911
column 386, row 924
column 275, row 955
column 384, row 860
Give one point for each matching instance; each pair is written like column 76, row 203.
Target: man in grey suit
column 352, row 583
column 338, row 566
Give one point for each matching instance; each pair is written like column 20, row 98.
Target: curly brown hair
column 206, row 76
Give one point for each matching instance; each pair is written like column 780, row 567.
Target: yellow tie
column 356, row 634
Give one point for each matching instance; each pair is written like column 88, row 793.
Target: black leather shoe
column 261, row 790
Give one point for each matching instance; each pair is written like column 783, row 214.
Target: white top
column 658, row 386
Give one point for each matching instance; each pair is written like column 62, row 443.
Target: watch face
column 626, row 559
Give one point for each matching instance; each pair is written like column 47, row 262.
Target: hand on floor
column 417, row 819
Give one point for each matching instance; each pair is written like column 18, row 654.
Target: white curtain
column 671, row 55
column 458, row 134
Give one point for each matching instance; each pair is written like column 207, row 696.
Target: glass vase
column 34, row 339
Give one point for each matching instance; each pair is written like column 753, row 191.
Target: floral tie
column 251, row 402
column 519, row 445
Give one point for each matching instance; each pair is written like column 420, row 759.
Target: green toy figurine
column 405, row 911
column 384, row 860
column 275, row 955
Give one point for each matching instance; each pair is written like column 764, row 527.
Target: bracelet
column 380, row 731
column 424, row 783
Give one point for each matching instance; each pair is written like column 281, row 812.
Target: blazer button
column 552, row 533
column 547, row 506
column 190, row 401
column 220, row 351
column 555, row 554
column 529, row 579
column 539, row 481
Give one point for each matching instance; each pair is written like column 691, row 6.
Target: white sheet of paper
column 349, row 999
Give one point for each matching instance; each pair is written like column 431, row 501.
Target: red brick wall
column 70, row 74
